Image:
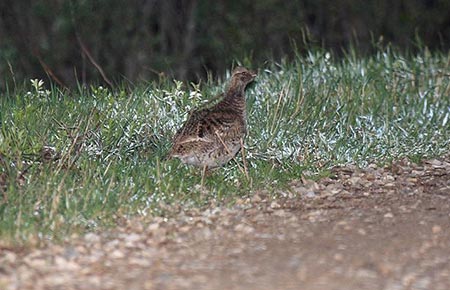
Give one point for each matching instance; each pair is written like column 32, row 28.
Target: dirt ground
column 372, row 228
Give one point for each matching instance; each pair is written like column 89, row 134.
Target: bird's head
column 243, row 75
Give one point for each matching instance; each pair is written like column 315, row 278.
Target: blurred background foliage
column 107, row 41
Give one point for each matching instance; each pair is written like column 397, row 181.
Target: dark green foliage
column 143, row 39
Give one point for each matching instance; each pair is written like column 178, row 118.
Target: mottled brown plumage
column 212, row 136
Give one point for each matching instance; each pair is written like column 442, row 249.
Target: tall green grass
column 310, row 113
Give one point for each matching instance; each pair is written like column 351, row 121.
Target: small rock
column 37, row 263
column 70, row 253
column 334, row 188
column 8, row 257
column 258, row 217
column 280, row 213
column 184, row 229
column 117, row 254
column 275, row 205
column 243, row 228
column 389, row 178
column 362, row 232
column 338, row 257
column 293, row 219
column 92, row 238
column 240, row 201
column 310, row 194
column 412, row 180
column 256, row 198
column 140, row 262
column 111, row 245
column 153, row 227
column 435, row 163
column 389, row 215
column 370, row 176
column 436, row 229
column 131, row 240
column 355, row 180
column 64, row 264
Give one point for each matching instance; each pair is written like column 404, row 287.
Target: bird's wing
column 206, row 126
column 190, row 137
column 225, row 124
column 191, row 130
column 195, row 117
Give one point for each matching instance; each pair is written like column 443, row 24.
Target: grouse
column 212, row 136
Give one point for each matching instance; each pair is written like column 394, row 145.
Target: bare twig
column 244, row 160
column 47, row 68
column 92, row 60
column 205, row 168
column 12, row 74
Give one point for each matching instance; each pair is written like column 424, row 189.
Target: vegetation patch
column 74, row 161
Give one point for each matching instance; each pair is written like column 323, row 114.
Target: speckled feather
column 212, row 136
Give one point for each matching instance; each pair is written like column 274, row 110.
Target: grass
column 304, row 115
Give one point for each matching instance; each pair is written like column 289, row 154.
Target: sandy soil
column 372, row 228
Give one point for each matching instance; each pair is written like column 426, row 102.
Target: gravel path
column 372, row 228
